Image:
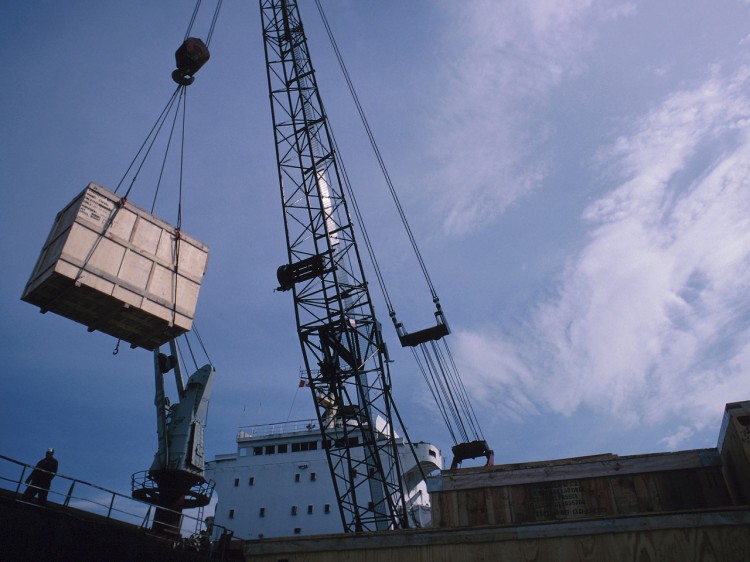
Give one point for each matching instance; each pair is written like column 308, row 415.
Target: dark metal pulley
column 190, row 57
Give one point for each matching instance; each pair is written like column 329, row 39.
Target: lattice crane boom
column 344, row 354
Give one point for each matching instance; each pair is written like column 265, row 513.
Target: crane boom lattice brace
column 345, row 358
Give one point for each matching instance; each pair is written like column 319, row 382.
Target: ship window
column 231, row 514
column 262, row 512
column 257, row 450
column 296, row 477
column 297, row 530
column 309, row 509
column 294, row 510
column 326, row 444
column 236, row 482
column 282, row 448
column 432, row 453
column 270, row 449
column 327, row 508
column 251, row 481
column 312, row 477
column 304, row 446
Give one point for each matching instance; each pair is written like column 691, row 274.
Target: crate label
column 561, row 500
column 96, row 208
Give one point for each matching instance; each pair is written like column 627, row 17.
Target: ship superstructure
column 277, row 483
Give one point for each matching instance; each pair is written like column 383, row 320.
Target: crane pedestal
column 171, row 491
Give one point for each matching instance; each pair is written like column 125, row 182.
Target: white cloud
column 508, row 57
column 498, row 374
column 672, row 442
column 641, row 322
column 651, row 322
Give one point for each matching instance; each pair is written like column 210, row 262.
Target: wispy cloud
column 651, row 319
column 673, row 441
column 504, row 59
column 501, row 376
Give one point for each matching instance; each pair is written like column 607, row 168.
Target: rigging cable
column 192, row 19
column 200, row 341
column 376, row 150
column 438, row 369
column 192, row 355
column 185, row 338
column 213, row 21
column 182, row 162
column 182, row 98
column 153, row 132
column 360, row 220
column 463, row 395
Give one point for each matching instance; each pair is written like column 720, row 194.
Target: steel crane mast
column 345, row 359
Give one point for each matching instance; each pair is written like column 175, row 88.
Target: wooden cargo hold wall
column 602, row 486
column 582, row 488
column 118, row 269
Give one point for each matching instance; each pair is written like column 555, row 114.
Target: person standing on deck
column 41, row 477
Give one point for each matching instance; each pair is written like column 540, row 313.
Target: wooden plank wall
column 609, row 496
column 718, row 537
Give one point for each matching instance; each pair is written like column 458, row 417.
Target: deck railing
column 249, row 432
column 282, row 428
column 78, row 494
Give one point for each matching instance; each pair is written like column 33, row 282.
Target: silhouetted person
column 41, row 477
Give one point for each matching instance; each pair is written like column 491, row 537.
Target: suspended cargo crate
column 118, row 269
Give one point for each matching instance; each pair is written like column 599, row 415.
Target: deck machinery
column 176, row 480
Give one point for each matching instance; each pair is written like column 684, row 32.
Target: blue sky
column 577, row 174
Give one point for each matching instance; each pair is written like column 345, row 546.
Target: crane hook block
column 190, row 57
column 472, row 450
column 433, row 333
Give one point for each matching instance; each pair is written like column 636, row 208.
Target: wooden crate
column 118, row 269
